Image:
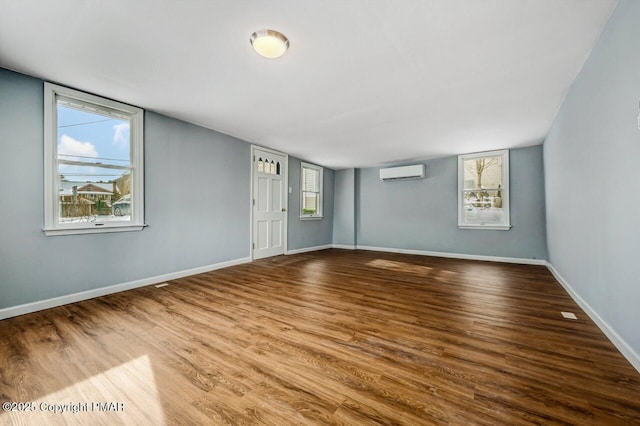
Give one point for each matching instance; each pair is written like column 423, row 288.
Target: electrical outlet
column 569, row 315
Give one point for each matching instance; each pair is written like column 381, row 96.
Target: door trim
column 286, row 197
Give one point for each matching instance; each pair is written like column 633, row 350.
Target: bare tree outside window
column 483, row 184
column 481, row 165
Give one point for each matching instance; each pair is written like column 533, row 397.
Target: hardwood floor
column 331, row 337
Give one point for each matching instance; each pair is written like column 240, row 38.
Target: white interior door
column 269, row 203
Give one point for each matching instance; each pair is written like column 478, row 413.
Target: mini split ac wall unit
column 416, row 171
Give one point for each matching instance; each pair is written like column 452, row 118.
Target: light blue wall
column 304, row 233
column 344, row 208
column 592, row 170
column 422, row 214
column 197, row 185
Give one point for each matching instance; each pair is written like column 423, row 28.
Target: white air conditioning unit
column 416, row 171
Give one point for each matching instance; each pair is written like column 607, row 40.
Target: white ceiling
column 365, row 82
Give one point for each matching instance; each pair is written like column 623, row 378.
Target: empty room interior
column 341, row 212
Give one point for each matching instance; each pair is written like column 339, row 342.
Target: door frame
column 286, row 196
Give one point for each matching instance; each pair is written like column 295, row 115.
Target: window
column 483, row 191
column 310, row 191
column 93, row 163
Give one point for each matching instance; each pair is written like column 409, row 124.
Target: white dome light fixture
column 269, row 43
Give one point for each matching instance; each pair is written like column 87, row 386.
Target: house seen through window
column 94, row 163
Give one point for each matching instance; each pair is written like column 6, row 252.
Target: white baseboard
column 27, row 308
column 457, row 255
column 308, row 249
column 624, row 348
column 344, row 246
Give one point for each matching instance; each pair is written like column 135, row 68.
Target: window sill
column 97, row 230
column 311, row 217
column 486, row 227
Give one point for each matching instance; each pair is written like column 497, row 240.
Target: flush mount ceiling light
column 269, row 43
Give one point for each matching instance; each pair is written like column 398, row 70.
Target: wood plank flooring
column 333, row 337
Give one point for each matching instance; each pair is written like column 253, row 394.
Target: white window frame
column 52, row 225
column 506, row 224
column 320, row 170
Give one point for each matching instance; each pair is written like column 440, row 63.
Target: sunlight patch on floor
column 125, row 394
column 400, row 266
